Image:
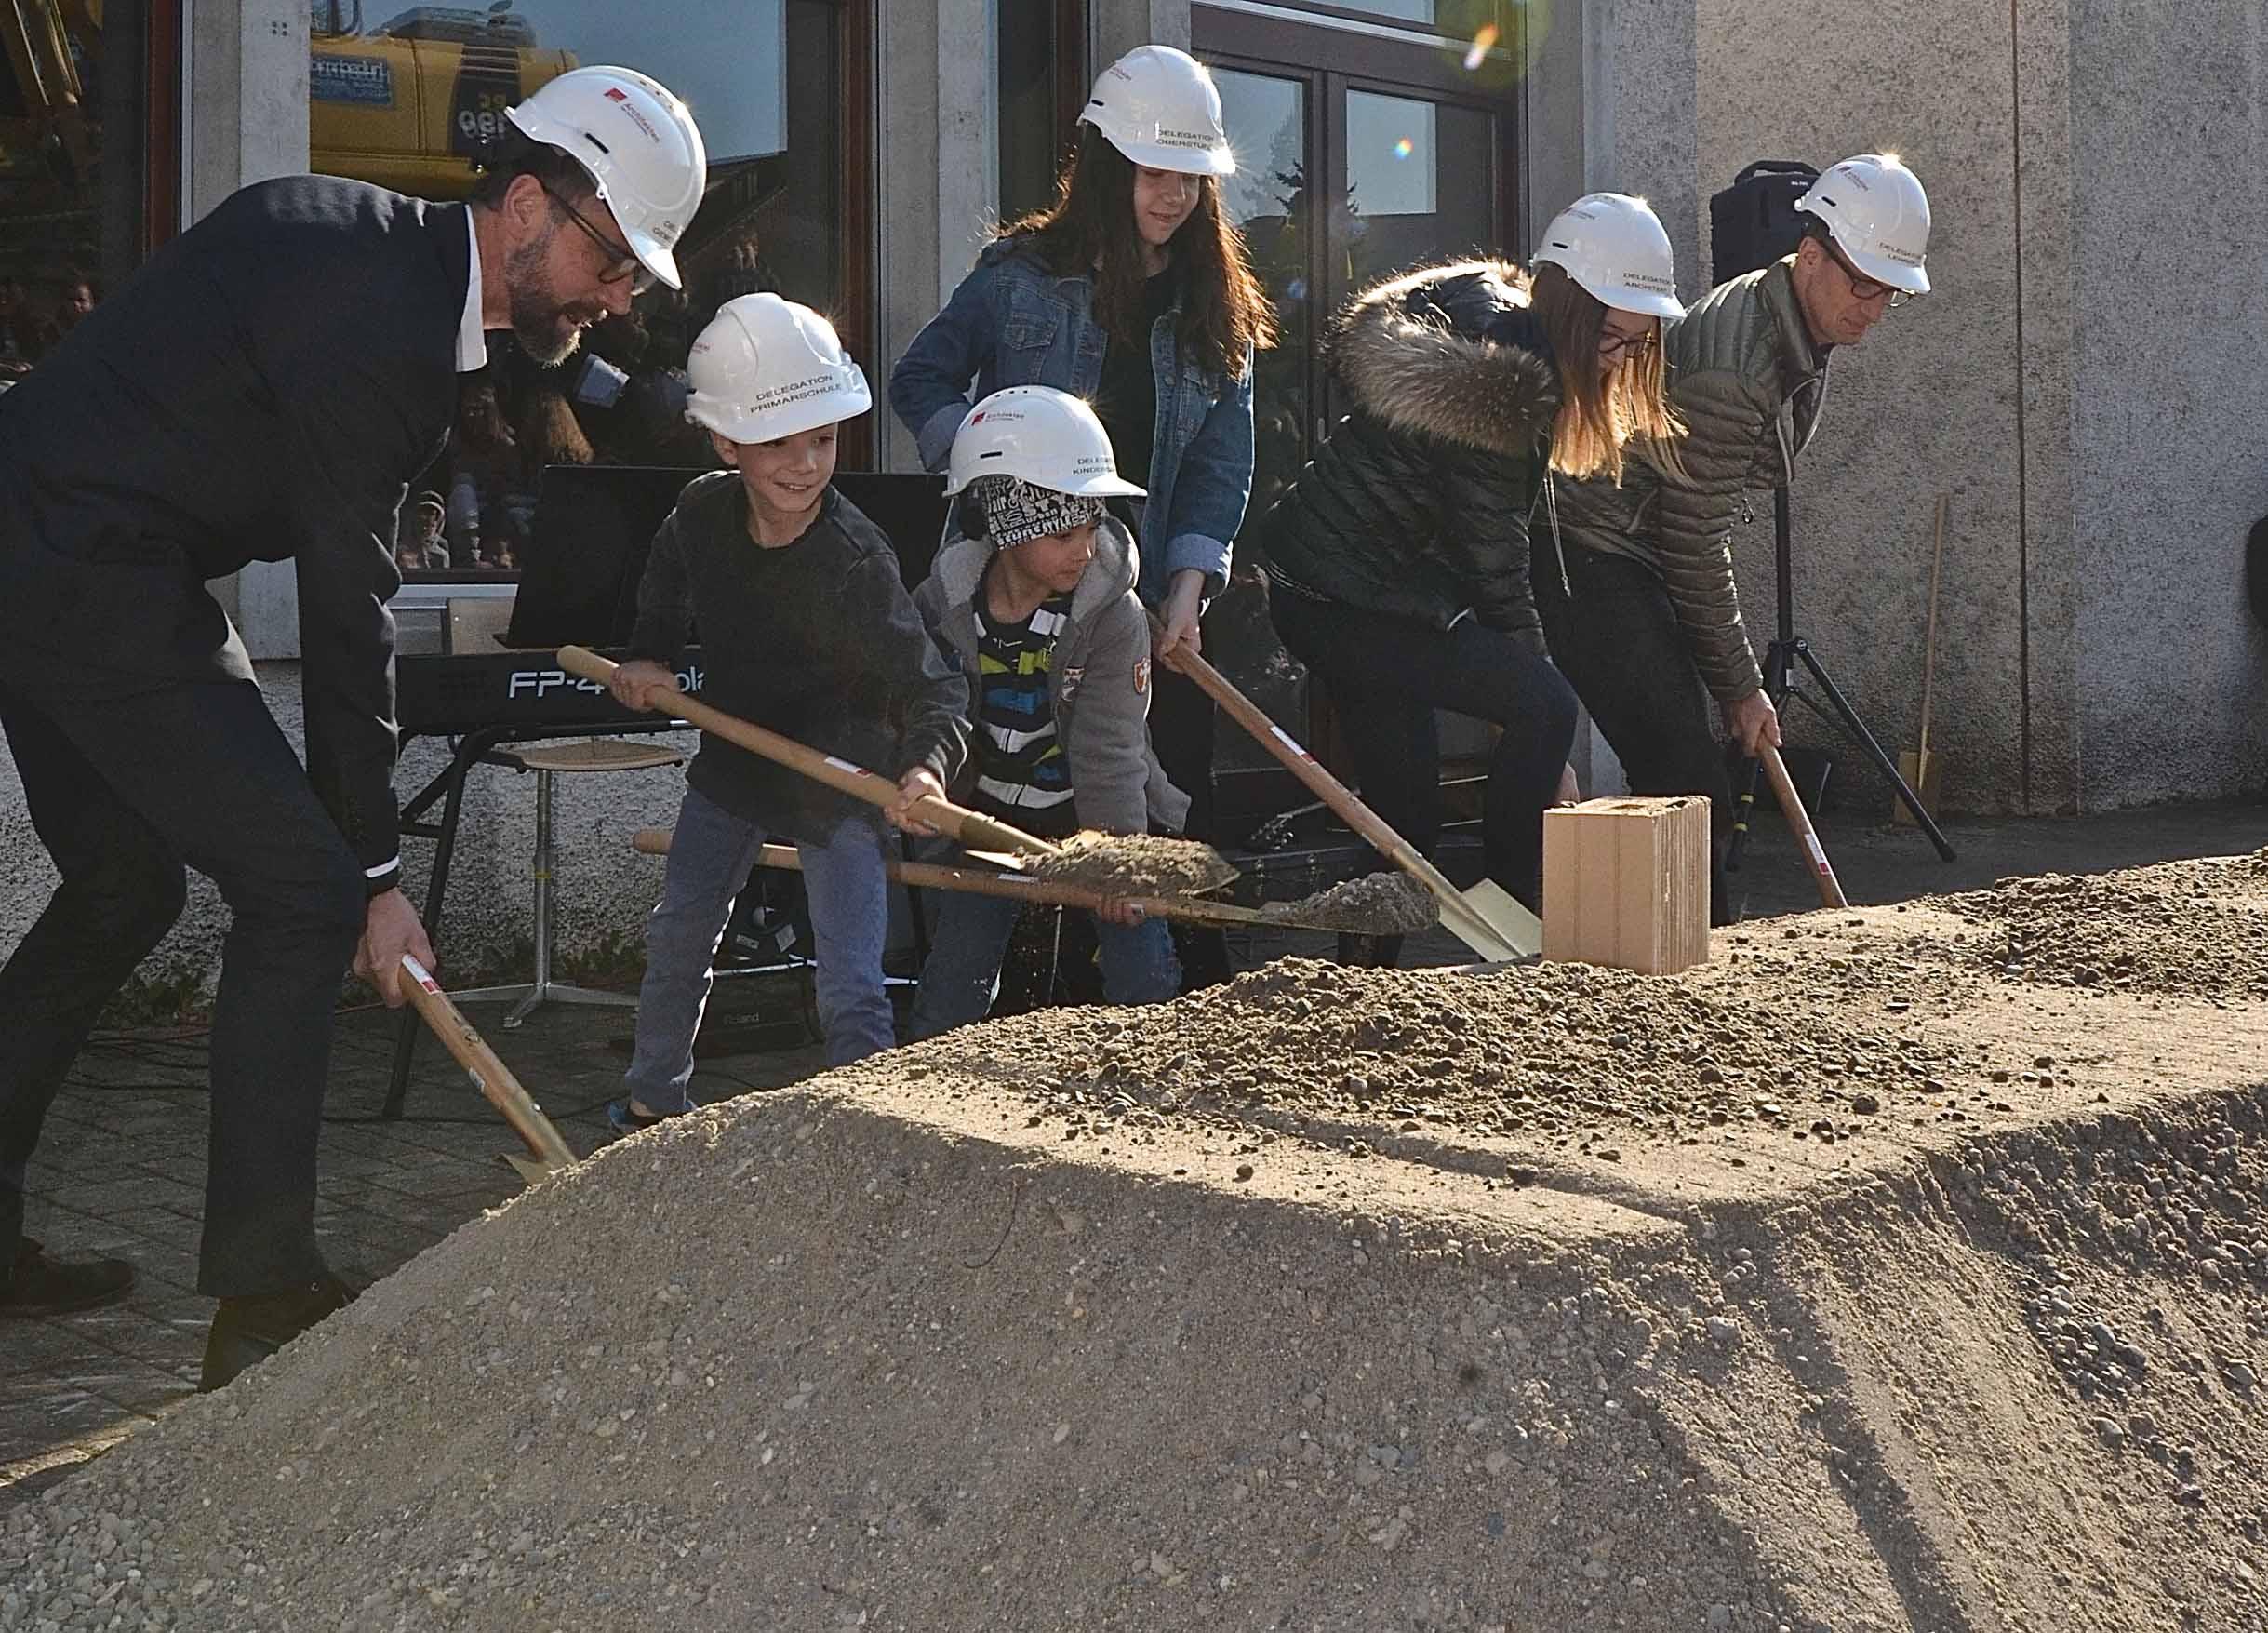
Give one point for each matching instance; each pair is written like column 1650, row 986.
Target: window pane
column 1028, row 78
column 1270, row 198
column 1420, row 183
column 406, row 97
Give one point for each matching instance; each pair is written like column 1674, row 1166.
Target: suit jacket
column 264, row 389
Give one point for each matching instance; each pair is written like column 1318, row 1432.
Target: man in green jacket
column 1634, row 583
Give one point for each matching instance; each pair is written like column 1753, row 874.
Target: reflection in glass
column 1269, row 199
column 405, row 98
column 1421, row 184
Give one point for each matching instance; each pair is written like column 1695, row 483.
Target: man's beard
column 547, row 328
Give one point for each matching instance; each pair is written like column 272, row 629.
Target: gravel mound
column 1377, row 903
column 2192, row 929
column 1093, row 1319
column 1133, row 864
column 1560, row 1054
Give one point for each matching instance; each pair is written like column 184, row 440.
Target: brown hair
column 1089, row 231
column 1599, row 417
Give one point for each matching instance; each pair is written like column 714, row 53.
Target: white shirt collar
column 472, row 340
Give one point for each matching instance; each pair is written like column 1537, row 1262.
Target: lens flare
column 1404, row 148
column 1483, row 43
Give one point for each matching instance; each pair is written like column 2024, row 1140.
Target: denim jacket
column 1014, row 323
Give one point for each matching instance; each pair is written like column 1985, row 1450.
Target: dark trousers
column 123, row 792
column 1387, row 676
column 1182, row 721
column 1616, row 636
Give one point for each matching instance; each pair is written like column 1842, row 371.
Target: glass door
column 1361, row 151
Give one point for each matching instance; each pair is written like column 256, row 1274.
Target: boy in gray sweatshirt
column 1039, row 611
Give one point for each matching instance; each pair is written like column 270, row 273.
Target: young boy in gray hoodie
column 1039, row 609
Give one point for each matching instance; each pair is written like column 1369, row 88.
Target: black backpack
column 1754, row 222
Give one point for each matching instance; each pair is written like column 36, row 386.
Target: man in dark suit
column 264, row 390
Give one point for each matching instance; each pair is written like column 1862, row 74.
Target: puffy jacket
column 1098, row 682
column 1416, row 506
column 1012, row 322
column 1748, row 381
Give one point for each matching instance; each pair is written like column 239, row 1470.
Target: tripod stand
column 1780, row 680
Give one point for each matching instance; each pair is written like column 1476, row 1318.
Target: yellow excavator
column 408, row 104
column 405, row 105
column 47, row 139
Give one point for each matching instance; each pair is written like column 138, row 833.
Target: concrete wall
column 2085, row 387
column 2169, row 424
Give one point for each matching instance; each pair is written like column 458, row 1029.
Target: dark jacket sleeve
column 932, row 696
column 357, row 420
column 665, row 599
column 1485, row 499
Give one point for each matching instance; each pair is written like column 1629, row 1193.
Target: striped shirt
column 1021, row 774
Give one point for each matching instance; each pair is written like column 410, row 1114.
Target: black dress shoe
column 36, row 1285
column 248, row 1331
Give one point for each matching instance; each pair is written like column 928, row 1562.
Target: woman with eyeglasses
column 1638, row 592
column 1133, row 291
column 1398, row 560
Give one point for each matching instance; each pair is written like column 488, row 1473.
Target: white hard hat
column 1160, row 108
column 1878, row 215
column 641, row 146
column 765, row 369
column 1047, row 437
column 1616, row 247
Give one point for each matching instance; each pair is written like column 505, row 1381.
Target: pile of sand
column 1232, row 1314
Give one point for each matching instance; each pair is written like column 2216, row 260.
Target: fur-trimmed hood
column 1451, row 352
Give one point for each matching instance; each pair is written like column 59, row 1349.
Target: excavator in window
column 408, row 104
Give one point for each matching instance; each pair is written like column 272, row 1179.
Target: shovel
column 1919, row 768
column 973, row 829
column 1486, row 917
column 1799, row 823
column 490, row 1074
column 930, row 877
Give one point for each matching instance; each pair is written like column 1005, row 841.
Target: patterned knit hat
column 1017, row 511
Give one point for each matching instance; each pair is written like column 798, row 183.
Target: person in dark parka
column 264, row 390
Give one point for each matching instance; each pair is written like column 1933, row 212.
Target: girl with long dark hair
column 1133, row 291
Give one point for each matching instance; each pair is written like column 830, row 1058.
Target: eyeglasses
column 1864, row 288
column 621, row 261
column 1613, row 347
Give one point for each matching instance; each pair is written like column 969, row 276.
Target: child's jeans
column 963, row 975
column 710, row 856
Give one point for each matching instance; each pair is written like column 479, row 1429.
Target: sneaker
column 248, row 1331
column 36, row 1285
column 628, row 1119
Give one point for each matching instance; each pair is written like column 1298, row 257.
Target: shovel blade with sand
column 551, row 1154
column 1918, row 765
column 1486, row 917
column 1117, row 864
column 1320, row 912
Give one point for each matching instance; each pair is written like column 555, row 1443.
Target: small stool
column 545, row 759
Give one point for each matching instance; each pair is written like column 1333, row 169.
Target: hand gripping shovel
column 1486, row 917
column 973, row 829
column 490, row 1074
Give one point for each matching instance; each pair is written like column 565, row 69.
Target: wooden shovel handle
column 1456, row 911
column 972, row 828
column 490, row 1075
column 1792, row 807
column 933, row 877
